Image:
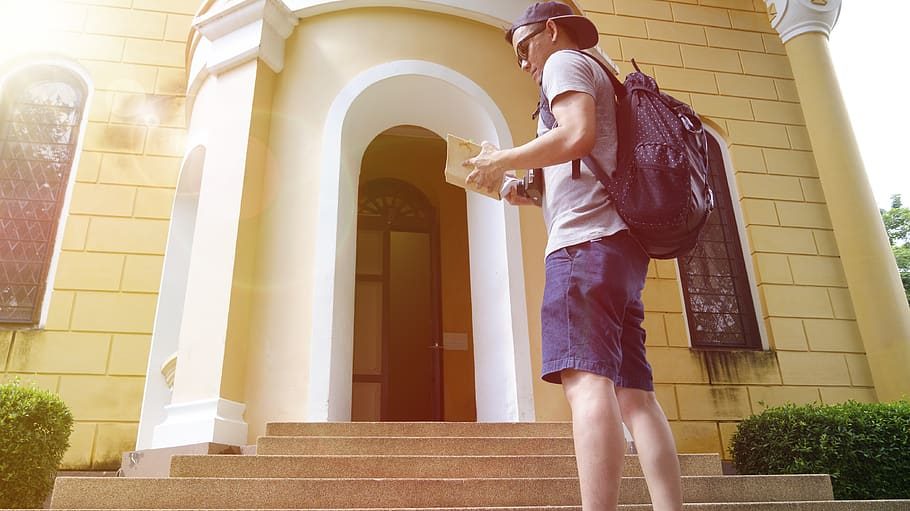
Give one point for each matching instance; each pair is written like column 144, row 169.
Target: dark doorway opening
column 398, row 353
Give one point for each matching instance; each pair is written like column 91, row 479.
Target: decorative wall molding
column 234, row 33
column 162, row 360
column 439, row 99
column 169, row 370
column 498, row 13
column 795, row 17
column 244, row 31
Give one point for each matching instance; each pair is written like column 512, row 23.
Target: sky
column 869, row 47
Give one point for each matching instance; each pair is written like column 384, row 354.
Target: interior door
column 397, row 329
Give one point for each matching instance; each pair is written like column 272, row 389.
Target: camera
column 531, row 185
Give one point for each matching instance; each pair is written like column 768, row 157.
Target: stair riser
column 123, row 493
column 340, row 446
column 407, row 466
column 418, row 429
column 778, row 506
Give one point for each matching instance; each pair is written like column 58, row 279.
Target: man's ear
column 552, row 30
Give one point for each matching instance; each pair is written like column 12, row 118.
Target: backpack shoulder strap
column 549, row 120
column 618, row 88
column 619, row 91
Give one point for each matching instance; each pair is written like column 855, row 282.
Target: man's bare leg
column 599, row 442
column 656, row 448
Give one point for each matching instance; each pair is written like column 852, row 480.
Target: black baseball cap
column 582, row 28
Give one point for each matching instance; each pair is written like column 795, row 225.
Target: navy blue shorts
column 592, row 311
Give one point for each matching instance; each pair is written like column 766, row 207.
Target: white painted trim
column 245, row 31
column 236, row 33
column 83, row 75
column 439, row 99
column 226, row 43
column 219, row 23
column 744, row 245
column 172, row 294
column 498, row 13
column 735, row 199
column 214, row 420
column 797, row 17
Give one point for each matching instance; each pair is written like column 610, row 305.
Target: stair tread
column 564, row 429
column 709, row 463
column 820, row 505
column 465, row 445
column 411, row 492
column 634, row 507
column 739, row 477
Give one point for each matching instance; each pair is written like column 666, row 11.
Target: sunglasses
column 521, row 49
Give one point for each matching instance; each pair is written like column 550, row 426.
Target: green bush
column 864, row 447
column 35, row 428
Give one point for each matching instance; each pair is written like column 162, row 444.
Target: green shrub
column 35, row 427
column 864, row 447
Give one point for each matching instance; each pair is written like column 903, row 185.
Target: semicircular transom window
column 396, row 205
column 41, row 112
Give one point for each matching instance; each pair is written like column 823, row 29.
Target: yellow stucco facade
column 94, row 344
column 257, row 135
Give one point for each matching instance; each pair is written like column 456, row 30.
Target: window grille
column 41, row 113
column 715, row 282
column 394, row 204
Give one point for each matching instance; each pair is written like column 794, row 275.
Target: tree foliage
column 897, row 224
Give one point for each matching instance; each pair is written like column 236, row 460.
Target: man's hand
column 519, row 200
column 512, row 196
column 488, row 171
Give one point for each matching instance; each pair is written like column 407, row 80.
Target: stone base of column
column 157, row 462
column 211, row 421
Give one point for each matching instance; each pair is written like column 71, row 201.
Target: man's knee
column 635, row 400
column 582, row 387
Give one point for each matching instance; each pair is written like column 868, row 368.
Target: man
column 592, row 339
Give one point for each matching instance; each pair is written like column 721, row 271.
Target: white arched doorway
column 443, row 101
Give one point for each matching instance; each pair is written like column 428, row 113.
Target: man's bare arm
column 573, row 138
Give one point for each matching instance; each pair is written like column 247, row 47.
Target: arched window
column 715, row 281
column 40, row 115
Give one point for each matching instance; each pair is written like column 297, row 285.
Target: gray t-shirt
column 579, row 210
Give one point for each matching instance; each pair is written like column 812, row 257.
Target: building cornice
column 228, row 33
column 795, row 17
column 246, row 30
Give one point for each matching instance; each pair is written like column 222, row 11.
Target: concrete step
column 438, row 446
column 840, row 505
column 830, row 505
column 409, row 466
column 207, row 493
column 434, row 429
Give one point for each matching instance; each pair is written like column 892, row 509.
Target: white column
column 237, row 37
column 878, row 297
column 795, row 17
column 502, row 354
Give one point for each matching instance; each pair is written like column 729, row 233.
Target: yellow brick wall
column 94, row 349
column 723, row 57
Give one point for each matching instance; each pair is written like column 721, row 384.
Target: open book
column 457, row 151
